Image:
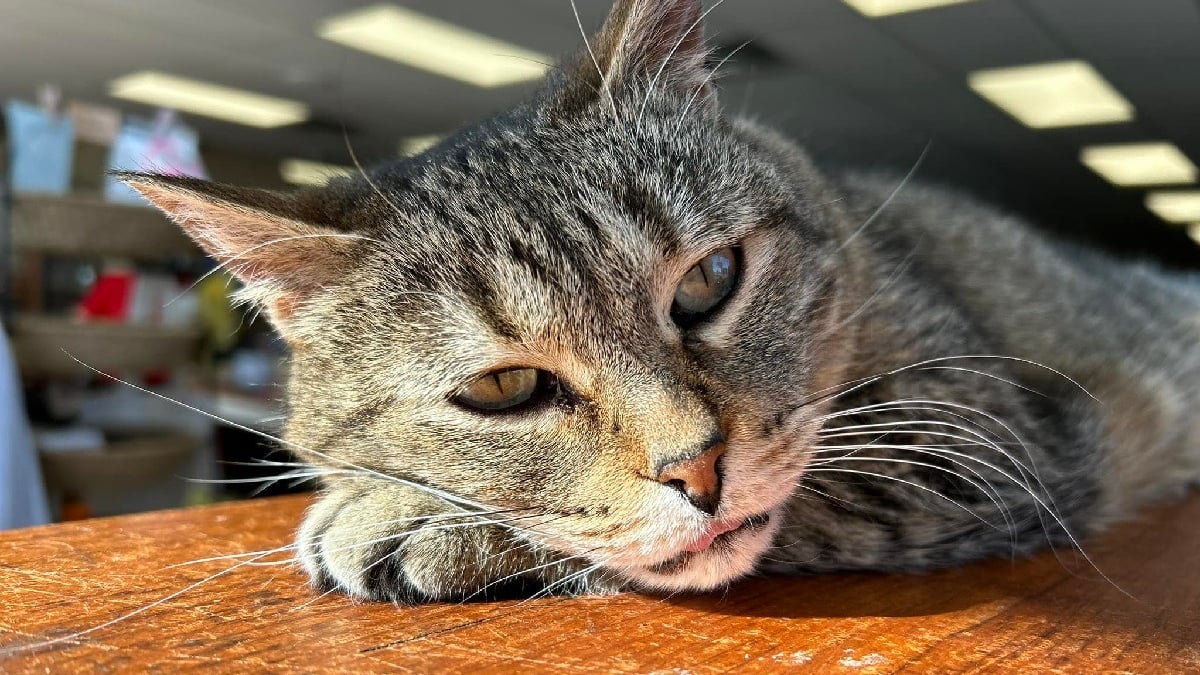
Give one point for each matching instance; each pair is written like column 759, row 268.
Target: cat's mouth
column 719, row 536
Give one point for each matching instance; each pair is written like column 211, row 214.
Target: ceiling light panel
column 1049, row 95
column 209, row 100
column 305, row 172
column 1179, row 206
column 1133, row 164
column 875, row 8
column 435, row 46
column 415, row 145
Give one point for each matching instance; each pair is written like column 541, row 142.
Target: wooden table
column 1003, row 616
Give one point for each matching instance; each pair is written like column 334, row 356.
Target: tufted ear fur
column 266, row 239
column 649, row 43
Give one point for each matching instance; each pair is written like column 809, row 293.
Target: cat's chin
column 729, row 557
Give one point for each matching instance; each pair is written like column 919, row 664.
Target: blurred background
column 1079, row 114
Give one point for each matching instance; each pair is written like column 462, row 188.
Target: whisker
column 367, row 178
column 991, row 494
column 670, row 55
column 844, row 388
column 887, row 202
column 129, row 615
column 711, row 75
column 514, row 575
column 612, row 103
column 547, row 590
column 906, row 482
column 939, row 406
column 441, row 494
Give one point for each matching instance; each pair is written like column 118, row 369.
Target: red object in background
column 110, row 297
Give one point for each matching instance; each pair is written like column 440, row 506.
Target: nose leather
column 698, row 477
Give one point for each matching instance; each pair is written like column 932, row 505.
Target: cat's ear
column 268, row 240
column 650, row 43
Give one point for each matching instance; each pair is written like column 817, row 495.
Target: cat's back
column 1027, row 286
column 1128, row 331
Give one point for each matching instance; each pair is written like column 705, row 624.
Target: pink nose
column 697, row 477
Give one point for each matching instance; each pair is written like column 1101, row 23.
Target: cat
column 614, row 339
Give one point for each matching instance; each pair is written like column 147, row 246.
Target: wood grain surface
column 1028, row 615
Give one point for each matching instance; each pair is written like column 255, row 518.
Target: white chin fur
column 713, row 568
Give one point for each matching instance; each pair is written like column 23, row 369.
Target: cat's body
column 951, row 276
column 612, row 339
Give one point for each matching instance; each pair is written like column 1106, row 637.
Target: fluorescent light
column 1139, row 164
column 1194, row 232
column 415, row 145
column 1058, row 94
column 210, row 100
column 304, row 172
column 436, row 46
column 874, row 8
column 1175, row 207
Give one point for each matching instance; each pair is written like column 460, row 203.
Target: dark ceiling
column 855, row 91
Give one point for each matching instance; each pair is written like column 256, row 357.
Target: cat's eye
column 705, row 286
column 508, row 389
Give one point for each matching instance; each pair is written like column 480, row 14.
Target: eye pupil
column 705, row 286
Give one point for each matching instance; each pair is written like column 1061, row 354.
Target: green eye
column 507, row 389
column 705, row 285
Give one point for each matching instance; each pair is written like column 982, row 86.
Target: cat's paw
column 389, row 542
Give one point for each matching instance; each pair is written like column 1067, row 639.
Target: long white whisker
column 986, row 488
column 363, row 173
column 612, row 103
column 441, row 494
column 514, row 575
column 711, row 76
column 906, row 482
column 887, row 202
column 547, row 590
column 233, row 556
column 939, row 406
column 670, row 55
column 133, row 613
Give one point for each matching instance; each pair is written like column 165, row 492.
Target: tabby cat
column 613, row 338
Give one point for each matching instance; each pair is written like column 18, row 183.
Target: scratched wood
column 1004, row 616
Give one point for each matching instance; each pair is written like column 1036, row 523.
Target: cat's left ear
column 649, row 43
column 273, row 242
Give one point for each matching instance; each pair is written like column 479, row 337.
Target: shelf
column 86, row 226
column 123, row 464
column 39, row 343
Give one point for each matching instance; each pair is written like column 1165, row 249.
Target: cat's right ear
column 266, row 239
column 646, row 43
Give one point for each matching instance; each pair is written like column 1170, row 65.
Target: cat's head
column 611, row 305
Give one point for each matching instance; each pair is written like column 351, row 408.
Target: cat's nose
column 697, row 476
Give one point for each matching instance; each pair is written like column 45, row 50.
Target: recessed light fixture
column 210, row 100
column 436, row 46
column 1194, row 232
column 415, row 145
column 874, row 8
column 1179, row 206
column 305, row 172
column 1058, row 94
column 1140, row 164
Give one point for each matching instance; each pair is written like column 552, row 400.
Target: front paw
column 388, row 542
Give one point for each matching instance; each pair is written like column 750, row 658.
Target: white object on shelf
column 69, row 439
column 23, row 500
